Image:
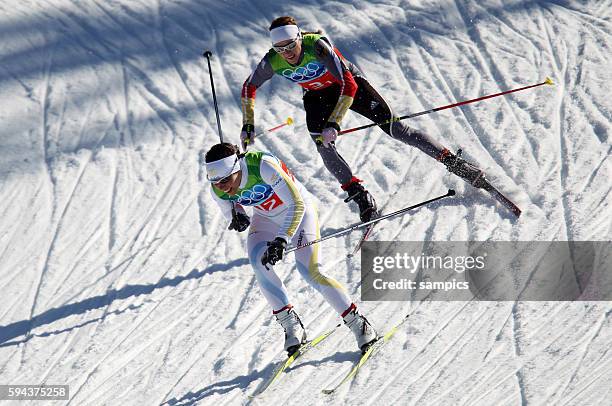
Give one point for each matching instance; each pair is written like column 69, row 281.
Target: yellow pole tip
column 549, row 81
column 289, row 120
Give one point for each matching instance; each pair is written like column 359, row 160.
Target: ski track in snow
column 120, row 278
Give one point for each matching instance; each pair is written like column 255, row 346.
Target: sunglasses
column 223, row 181
column 289, row 47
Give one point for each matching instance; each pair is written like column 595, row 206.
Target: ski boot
column 460, row 167
column 295, row 335
column 365, row 334
column 363, row 198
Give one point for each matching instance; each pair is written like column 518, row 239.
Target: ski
column 282, row 367
column 476, row 177
column 366, row 234
column 370, row 352
column 501, row 198
column 364, row 237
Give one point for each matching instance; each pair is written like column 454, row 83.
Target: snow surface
column 119, row 278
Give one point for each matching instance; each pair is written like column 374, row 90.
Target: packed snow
column 120, row 279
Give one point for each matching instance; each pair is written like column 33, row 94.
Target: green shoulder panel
column 253, row 160
column 279, row 64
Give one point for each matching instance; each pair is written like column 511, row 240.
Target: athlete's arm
column 260, row 75
column 336, row 66
column 284, row 186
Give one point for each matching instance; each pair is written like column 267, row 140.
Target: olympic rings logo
column 302, row 73
column 256, row 195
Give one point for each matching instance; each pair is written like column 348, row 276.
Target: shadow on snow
column 24, row 327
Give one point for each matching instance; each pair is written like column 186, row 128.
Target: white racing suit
column 282, row 207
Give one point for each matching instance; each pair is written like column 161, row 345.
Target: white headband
column 217, row 170
column 283, row 33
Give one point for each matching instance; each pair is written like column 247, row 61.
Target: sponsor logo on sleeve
column 287, row 171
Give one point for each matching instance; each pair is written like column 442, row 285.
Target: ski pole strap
column 357, row 226
column 548, row 81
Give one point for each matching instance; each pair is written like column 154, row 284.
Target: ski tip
column 289, row 120
column 328, row 391
column 517, row 212
column 549, row 81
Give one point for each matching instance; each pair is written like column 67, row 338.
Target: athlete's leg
column 309, row 263
column 319, row 104
column 261, row 232
column 369, row 103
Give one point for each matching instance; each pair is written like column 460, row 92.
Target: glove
column 330, row 133
column 240, row 222
column 274, row 253
column 247, row 136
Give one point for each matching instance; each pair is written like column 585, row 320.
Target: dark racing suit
column 332, row 85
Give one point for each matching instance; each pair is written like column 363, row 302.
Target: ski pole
column 208, row 54
column 548, row 81
column 289, row 121
column 354, row 227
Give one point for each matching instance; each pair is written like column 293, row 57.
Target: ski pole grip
column 207, row 54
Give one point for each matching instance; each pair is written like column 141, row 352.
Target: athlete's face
column 290, row 50
column 230, row 184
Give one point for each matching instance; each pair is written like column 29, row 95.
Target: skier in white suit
column 283, row 211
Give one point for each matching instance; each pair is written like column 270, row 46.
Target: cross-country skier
column 283, row 211
column 332, row 85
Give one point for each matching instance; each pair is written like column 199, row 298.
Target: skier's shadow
column 240, row 382
column 244, row 381
column 337, row 358
column 24, row 327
